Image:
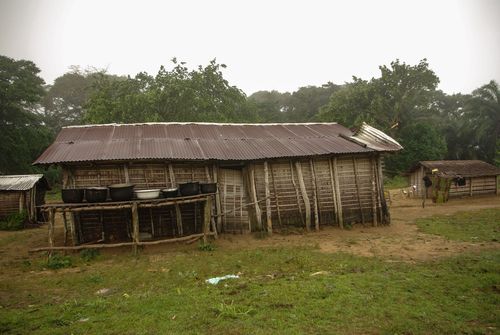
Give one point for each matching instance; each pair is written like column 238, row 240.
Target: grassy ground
column 54, row 194
column 395, row 182
column 283, row 290
column 466, row 226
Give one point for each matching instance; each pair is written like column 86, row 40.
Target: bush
column 14, row 221
column 89, row 254
column 58, row 262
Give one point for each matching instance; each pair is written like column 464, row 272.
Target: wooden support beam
column 358, row 191
column 135, row 227
column 72, row 228
column 497, row 189
column 253, row 191
column 380, row 191
column 178, row 219
column 315, row 195
column 65, row 222
column 374, row 195
column 337, row 192
column 125, row 173
column 334, row 194
column 218, row 206
column 212, row 220
column 116, row 245
column 269, row 223
column 297, row 196
column 303, row 191
column 51, row 228
column 21, row 201
column 276, row 196
column 470, row 186
column 172, row 175
column 207, row 215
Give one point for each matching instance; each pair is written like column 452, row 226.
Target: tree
column 483, row 109
column 22, row 133
column 270, row 106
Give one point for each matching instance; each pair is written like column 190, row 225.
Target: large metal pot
column 96, row 194
column 191, row 188
column 170, row 192
column 208, row 188
column 121, row 192
column 147, row 194
column 72, row 195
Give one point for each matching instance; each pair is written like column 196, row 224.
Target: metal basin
column 147, row 194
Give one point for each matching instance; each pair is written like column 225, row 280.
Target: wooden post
column 269, row 222
column 172, row 175
column 178, row 219
column 51, row 228
column 275, row 194
column 72, row 229
column 315, row 195
column 356, row 180
column 380, row 188
column 135, row 226
column 470, row 187
column 497, row 189
column 296, row 192
column 207, row 214
column 337, row 193
column 303, row 190
column 217, row 198
column 374, row 202
column 253, row 191
column 21, row 201
column 334, row 194
column 65, row 221
column 125, row 173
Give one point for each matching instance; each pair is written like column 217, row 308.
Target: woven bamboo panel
column 99, row 175
column 233, row 198
column 9, row 202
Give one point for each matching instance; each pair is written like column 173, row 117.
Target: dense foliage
column 403, row 101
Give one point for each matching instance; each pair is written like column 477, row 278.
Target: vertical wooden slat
column 253, row 192
column 337, row 191
column 374, row 190
column 380, row 188
column 125, row 173
column 217, row 198
column 276, row 196
column 358, row 191
column 334, row 193
column 296, row 193
column 315, row 195
column 207, row 214
column 269, row 223
column 470, row 186
column 51, row 228
column 305, row 197
column 65, row 222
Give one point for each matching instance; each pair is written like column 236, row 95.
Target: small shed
column 23, row 193
column 465, row 177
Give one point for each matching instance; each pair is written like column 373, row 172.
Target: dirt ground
column 400, row 241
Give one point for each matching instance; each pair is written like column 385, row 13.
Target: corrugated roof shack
column 269, row 175
column 23, row 193
column 466, row 177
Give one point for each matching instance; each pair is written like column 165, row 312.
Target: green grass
column 275, row 294
column 395, row 182
column 476, row 226
column 54, row 195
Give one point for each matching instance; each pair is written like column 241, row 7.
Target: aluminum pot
column 170, row 192
column 208, row 188
column 72, row 195
column 96, row 194
column 147, row 194
column 191, row 188
column 121, row 192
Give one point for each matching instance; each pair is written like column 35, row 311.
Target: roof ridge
column 201, row 123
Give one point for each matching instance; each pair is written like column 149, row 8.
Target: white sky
column 267, row 45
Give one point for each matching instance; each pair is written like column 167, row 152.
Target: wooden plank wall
column 9, row 203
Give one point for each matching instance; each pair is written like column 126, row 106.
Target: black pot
column 96, row 194
column 72, row 195
column 121, row 192
column 191, row 188
column 170, row 192
column 208, row 188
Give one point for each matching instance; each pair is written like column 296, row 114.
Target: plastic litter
column 216, row 280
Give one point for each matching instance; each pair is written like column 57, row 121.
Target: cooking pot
column 208, row 188
column 170, row 192
column 191, row 188
column 96, row 194
column 72, row 195
column 121, row 192
column 147, row 194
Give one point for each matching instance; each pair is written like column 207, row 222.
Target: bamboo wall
column 16, row 201
column 319, row 191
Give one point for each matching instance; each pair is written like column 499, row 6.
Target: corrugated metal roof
column 201, row 141
column 20, row 182
column 376, row 139
column 462, row 168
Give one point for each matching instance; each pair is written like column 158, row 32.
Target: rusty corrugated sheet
column 462, row 168
column 376, row 139
column 19, row 182
column 199, row 141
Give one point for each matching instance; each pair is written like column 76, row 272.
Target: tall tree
column 22, row 133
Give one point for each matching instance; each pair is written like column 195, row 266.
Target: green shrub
column 206, row 247
column 14, row 221
column 58, row 262
column 89, row 254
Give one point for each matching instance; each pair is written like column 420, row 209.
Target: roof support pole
column 374, row 194
column 315, row 195
column 358, row 191
column 296, row 193
column 303, row 191
column 51, row 228
column 337, row 190
column 276, row 196
column 470, row 186
column 269, row 222
column 253, row 192
column 135, row 227
column 217, row 198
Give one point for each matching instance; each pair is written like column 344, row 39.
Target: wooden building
column 20, row 193
column 269, row 176
column 465, row 177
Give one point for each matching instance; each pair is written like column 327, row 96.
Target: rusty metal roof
column 21, row 182
column 462, row 168
column 201, row 141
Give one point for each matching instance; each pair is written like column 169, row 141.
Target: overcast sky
column 266, row 45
